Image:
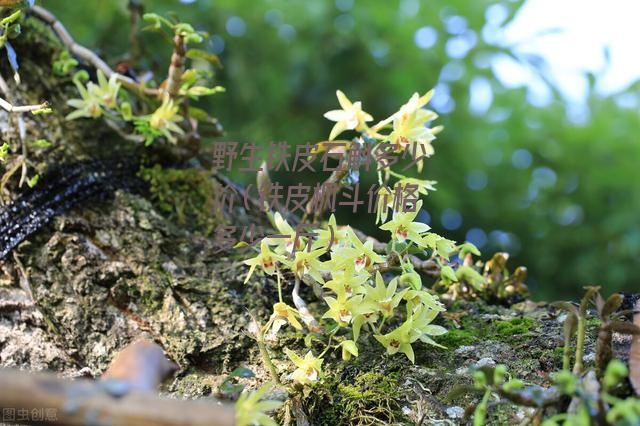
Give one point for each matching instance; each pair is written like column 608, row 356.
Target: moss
column 515, row 326
column 186, row 196
column 455, row 338
column 370, row 398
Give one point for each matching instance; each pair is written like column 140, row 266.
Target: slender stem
column 381, row 324
column 577, row 367
column 566, row 354
column 333, row 333
column 279, row 285
column 264, row 353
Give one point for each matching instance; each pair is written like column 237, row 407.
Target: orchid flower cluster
column 164, row 115
column 367, row 290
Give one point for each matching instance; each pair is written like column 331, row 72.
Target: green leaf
column 41, row 143
column 205, row 56
column 33, row 181
column 242, row 372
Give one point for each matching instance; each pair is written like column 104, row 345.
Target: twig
column 86, row 54
column 85, row 402
column 177, row 65
column 7, row 106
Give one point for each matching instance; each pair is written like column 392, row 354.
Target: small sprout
column 566, row 382
column 33, row 181
column 309, row 368
column 350, row 117
column 251, row 411
column 64, row 63
column 412, row 279
column 468, row 248
column 448, row 275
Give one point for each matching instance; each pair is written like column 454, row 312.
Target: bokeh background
column 540, row 100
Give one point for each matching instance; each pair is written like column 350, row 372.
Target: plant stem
column 577, row 367
column 264, row 353
column 566, row 357
column 279, row 285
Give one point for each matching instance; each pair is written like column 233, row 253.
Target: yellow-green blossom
column 350, row 117
column 331, row 236
column 403, row 227
column 165, row 119
column 442, row 246
column 88, row 106
column 309, row 368
column 399, row 340
column 383, row 298
column 341, row 309
column 250, row 411
column 347, row 281
column 265, row 259
column 285, row 245
column 307, row 263
column 282, row 314
column 417, row 298
column 421, row 327
column 105, row 91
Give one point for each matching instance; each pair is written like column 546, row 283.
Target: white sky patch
column 584, row 29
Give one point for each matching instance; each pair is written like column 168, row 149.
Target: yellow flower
column 350, row 117
column 284, row 312
column 346, row 281
column 105, row 91
column 403, row 228
column 422, row 186
column 360, row 256
column 384, row 202
column 399, row 340
column 332, row 235
column 306, row 262
column 421, row 327
column 309, row 368
column 165, row 119
column 382, row 298
column 266, row 260
column 285, row 245
column 341, row 308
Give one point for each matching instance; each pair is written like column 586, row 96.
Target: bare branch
column 86, row 54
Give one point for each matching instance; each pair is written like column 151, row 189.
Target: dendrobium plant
column 367, row 289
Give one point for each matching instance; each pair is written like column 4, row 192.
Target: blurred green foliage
column 556, row 189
